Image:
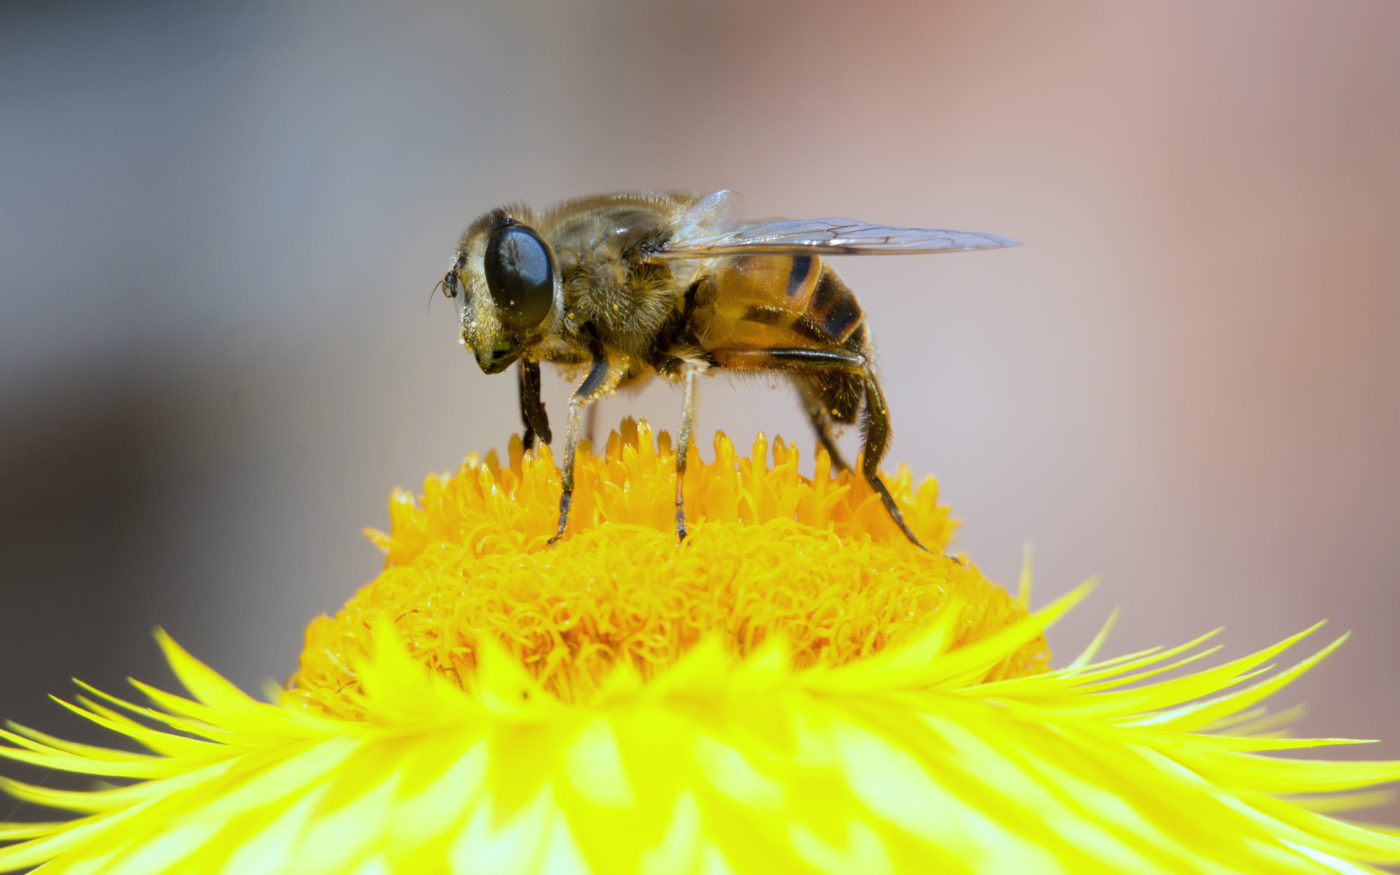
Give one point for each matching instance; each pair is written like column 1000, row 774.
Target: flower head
column 816, row 562
column 793, row 688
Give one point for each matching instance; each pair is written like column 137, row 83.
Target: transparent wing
column 719, row 210
column 823, row 237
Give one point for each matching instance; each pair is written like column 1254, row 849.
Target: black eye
column 520, row 276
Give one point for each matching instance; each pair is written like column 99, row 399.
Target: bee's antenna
column 433, row 292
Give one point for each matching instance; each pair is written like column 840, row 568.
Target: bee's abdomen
column 760, row 301
column 818, row 304
column 833, row 306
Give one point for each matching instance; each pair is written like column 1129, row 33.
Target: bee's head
column 505, row 282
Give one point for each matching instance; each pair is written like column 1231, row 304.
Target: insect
column 632, row 285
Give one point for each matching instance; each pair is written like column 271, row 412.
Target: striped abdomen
column 767, row 301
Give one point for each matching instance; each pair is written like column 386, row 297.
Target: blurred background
column 220, row 224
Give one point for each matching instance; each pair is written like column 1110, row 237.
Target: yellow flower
column 793, row 688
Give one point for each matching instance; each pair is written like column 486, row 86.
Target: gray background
column 219, row 225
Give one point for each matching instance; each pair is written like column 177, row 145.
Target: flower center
column 770, row 552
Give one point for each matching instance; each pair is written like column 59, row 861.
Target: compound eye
column 520, row 275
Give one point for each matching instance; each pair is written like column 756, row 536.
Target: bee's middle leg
column 689, row 372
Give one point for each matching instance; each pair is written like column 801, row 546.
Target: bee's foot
column 680, row 521
column 893, row 509
column 565, row 501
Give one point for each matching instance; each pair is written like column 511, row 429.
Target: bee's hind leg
column 876, row 443
column 814, row 363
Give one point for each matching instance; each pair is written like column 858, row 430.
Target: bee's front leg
column 531, row 407
column 689, row 371
column 602, row 378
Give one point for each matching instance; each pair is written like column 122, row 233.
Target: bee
column 634, row 285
